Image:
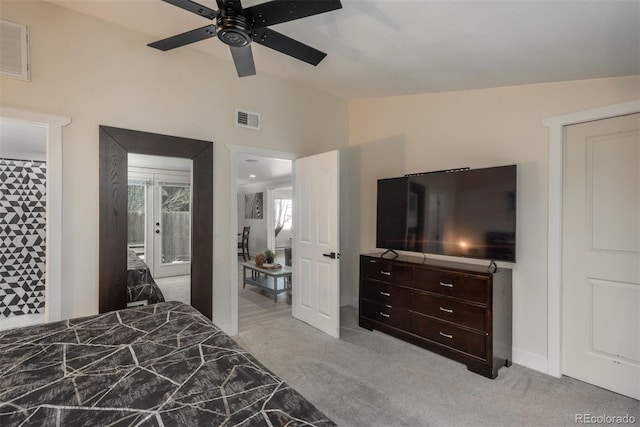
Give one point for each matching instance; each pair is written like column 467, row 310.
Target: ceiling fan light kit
column 237, row 27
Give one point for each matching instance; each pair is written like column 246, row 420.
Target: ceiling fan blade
column 194, row 7
column 231, row 5
column 185, row 38
column 243, row 58
column 269, row 38
column 278, row 11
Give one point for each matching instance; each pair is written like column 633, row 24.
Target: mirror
column 115, row 146
column 158, row 229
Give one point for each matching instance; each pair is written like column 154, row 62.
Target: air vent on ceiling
column 14, row 50
column 247, row 119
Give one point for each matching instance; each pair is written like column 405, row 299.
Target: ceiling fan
column 238, row 27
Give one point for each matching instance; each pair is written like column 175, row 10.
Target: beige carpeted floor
column 371, row 379
column 175, row 288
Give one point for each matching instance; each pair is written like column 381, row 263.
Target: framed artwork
column 253, row 206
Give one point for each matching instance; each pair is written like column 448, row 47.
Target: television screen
column 466, row 213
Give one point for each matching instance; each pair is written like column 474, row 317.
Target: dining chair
column 243, row 243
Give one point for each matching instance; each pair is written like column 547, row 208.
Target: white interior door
column 601, row 254
column 316, row 280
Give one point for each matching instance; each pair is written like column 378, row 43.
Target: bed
column 141, row 288
column 155, row 365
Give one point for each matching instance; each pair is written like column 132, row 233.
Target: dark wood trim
column 115, row 144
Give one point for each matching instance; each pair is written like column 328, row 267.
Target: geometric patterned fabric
column 22, row 236
column 157, row 365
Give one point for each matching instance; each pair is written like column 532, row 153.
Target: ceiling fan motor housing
column 233, row 30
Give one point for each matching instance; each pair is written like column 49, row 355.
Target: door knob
column 332, row 255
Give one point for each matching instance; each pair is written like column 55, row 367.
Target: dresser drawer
column 383, row 270
column 469, row 342
column 392, row 316
column 457, row 285
column 444, row 308
column 385, row 293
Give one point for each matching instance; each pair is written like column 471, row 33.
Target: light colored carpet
column 175, row 288
column 371, row 379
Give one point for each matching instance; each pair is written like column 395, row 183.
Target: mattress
column 156, row 365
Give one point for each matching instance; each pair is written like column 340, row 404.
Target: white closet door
column 601, row 254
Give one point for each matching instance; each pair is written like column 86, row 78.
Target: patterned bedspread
column 155, row 365
column 140, row 284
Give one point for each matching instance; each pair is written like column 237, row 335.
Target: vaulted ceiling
column 399, row 47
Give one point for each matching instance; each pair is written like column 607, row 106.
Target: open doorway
column 264, row 211
column 31, row 149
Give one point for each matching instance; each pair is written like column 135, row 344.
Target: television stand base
column 389, row 251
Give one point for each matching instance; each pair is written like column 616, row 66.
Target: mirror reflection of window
column 176, row 223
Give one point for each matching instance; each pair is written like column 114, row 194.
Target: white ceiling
column 399, row 47
column 264, row 169
column 159, row 162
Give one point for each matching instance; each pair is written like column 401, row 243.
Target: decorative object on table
column 268, row 266
column 269, row 256
column 260, row 260
column 253, row 206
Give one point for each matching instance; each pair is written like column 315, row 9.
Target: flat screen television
column 464, row 213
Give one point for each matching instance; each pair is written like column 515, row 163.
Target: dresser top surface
column 430, row 262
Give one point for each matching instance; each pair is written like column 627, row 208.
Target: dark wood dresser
column 458, row 310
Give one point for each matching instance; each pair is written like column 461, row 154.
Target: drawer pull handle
column 386, row 294
column 443, row 334
column 372, row 261
column 446, row 310
column 384, row 315
column 448, row 285
column 386, row 273
column 388, row 306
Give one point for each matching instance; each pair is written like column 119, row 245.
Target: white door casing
column 553, row 363
column 316, row 279
column 601, row 254
column 53, row 256
column 230, row 324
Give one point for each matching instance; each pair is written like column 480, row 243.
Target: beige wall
column 478, row 128
column 97, row 73
column 100, row 74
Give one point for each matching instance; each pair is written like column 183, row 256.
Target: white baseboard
column 533, row 361
column 348, row 300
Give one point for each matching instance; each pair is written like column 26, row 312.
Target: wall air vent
column 247, row 119
column 14, row 50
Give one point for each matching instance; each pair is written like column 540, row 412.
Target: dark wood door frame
column 115, row 144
